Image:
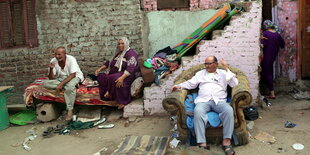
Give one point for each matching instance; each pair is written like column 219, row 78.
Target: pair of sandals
column 50, row 130
column 226, row 148
column 104, row 126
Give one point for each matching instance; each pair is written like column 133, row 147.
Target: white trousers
column 225, row 112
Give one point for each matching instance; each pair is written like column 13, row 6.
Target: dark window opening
column 18, row 25
column 172, row 4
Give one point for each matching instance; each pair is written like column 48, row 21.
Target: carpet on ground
column 143, row 145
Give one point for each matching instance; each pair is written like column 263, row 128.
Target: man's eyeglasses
column 209, row 63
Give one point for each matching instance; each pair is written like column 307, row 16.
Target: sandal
column 106, row 126
column 205, row 147
column 100, row 121
column 289, row 124
column 48, row 132
column 58, row 128
column 228, row 150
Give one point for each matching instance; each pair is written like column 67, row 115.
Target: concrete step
column 134, row 108
column 186, row 59
column 199, row 44
column 16, row 107
column 216, row 33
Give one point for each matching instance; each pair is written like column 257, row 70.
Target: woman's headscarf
column 120, row 57
column 270, row 25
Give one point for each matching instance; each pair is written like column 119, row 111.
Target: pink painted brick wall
column 207, row 4
column 287, row 16
column 149, row 5
column 193, row 4
column 238, row 44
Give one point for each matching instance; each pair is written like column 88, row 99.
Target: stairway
column 238, row 43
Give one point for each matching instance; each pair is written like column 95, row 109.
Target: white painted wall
column 168, row 28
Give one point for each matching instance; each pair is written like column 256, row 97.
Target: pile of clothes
column 163, row 63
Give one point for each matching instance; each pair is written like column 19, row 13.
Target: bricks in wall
column 88, row 29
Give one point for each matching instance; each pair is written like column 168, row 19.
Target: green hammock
column 219, row 18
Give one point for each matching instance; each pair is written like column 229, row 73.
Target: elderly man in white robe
column 212, row 94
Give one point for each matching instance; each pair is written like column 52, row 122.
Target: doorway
column 267, row 9
column 304, row 39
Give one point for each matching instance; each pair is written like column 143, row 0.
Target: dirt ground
column 89, row 141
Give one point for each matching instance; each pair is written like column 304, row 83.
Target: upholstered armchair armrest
column 174, row 104
column 241, row 96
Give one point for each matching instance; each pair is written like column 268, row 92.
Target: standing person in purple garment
column 271, row 41
column 116, row 84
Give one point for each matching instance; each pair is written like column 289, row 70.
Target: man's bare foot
column 202, row 144
column 226, row 141
column 106, row 95
column 69, row 115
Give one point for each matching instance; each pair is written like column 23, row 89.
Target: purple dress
column 271, row 49
column 107, row 81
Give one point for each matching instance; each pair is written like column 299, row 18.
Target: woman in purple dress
column 116, row 84
column 271, row 41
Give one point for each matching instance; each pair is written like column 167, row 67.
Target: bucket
column 4, row 115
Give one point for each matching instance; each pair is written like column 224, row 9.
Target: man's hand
column 51, row 75
column 174, row 88
column 119, row 82
column 59, row 87
column 52, row 65
column 224, row 64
